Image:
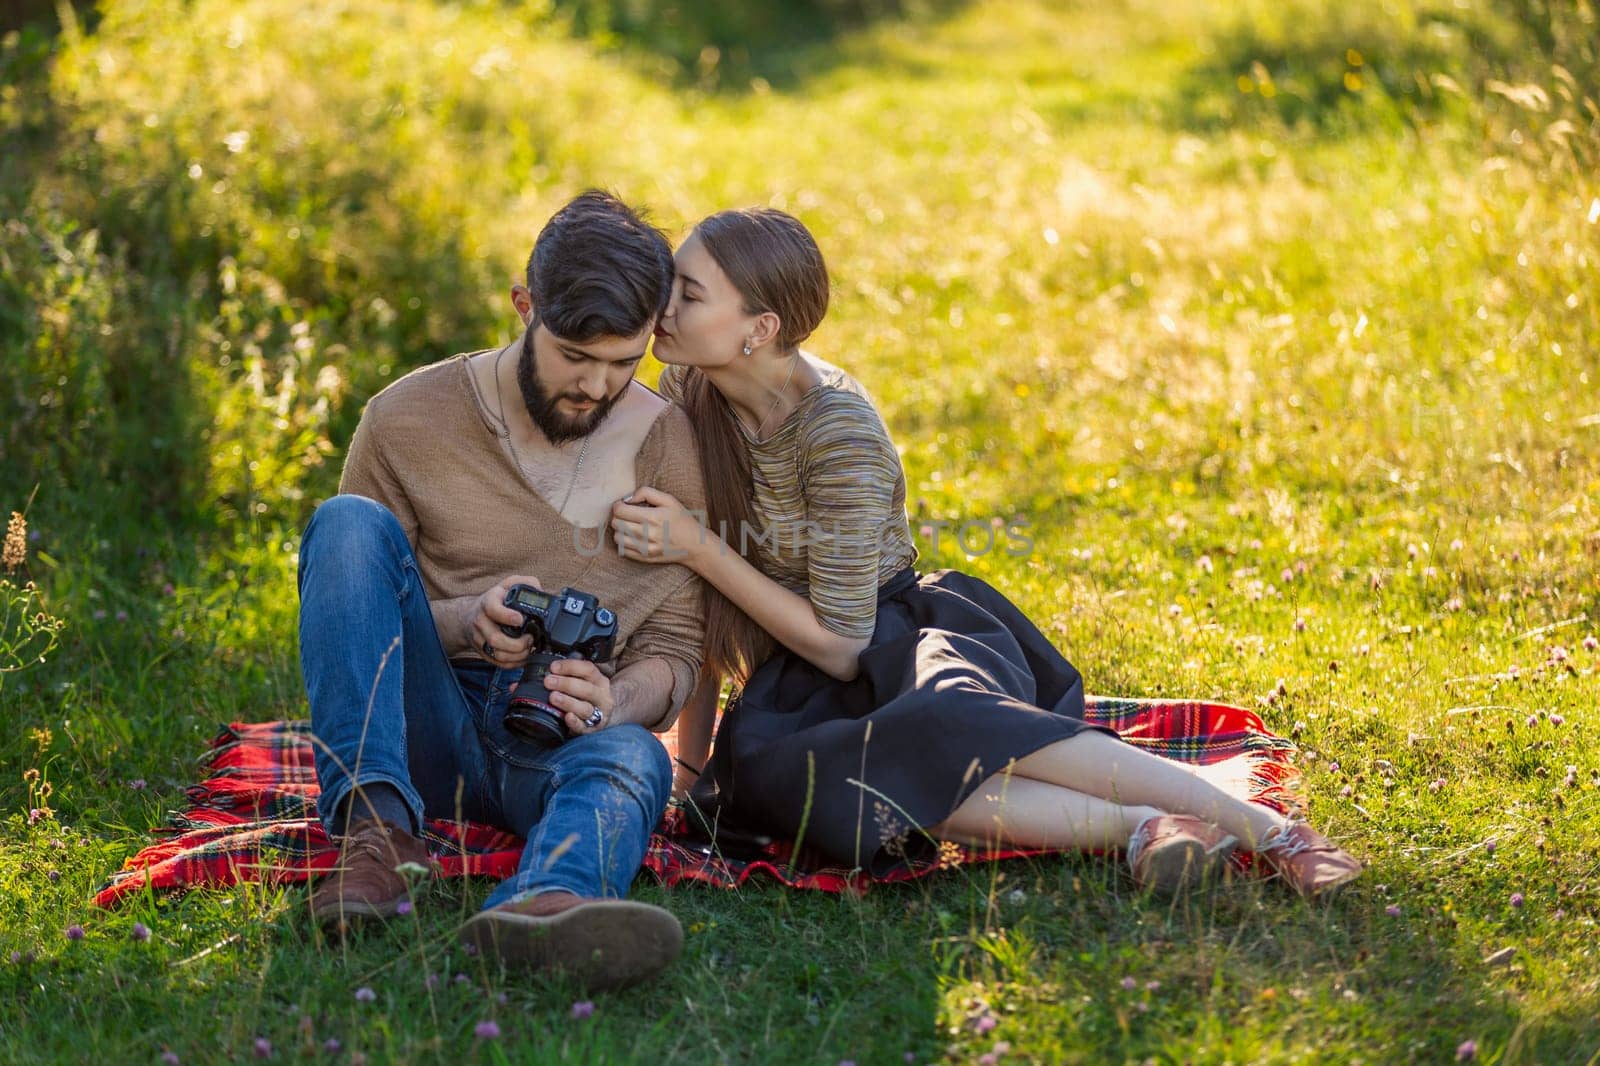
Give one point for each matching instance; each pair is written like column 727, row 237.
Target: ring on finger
column 488, row 649
column 596, row 716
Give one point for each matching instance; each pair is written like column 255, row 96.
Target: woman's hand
column 582, row 693
column 484, row 617
column 651, row 526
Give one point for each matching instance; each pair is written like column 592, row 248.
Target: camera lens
column 536, row 721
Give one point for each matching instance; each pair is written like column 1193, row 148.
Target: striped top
column 830, row 495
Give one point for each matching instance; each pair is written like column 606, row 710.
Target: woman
column 881, row 710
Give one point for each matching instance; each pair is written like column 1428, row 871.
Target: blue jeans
column 387, row 705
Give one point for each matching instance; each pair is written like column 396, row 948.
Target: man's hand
column 582, row 693
column 483, row 618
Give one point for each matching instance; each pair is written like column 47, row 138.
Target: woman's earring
column 746, row 347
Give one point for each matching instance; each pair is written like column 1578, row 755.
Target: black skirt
column 955, row 685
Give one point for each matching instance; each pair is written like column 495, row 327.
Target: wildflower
column 54, row 876
column 986, row 1059
column 137, row 784
column 1392, row 910
column 487, row 1030
column 1152, row 986
column 1299, row 625
column 431, row 982
column 365, row 995
column 461, row 978
column 1456, row 545
column 263, row 1048
column 1556, row 719
column 141, row 932
column 1204, row 564
column 74, row 932
column 1531, row 721
column 1347, row 792
column 1516, row 899
column 170, row 1057
column 985, row 1024
column 1129, row 984
column 1591, row 642
column 1467, row 1051
column 1558, row 654
column 403, row 908
column 1489, row 845
column 332, row 1045
column 16, row 547
column 122, row 616
column 582, row 1009
column 470, row 948
column 1436, row 784
column 167, row 589
column 16, row 957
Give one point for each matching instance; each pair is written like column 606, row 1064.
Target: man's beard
column 557, row 427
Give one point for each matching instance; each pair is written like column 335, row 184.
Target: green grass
column 1296, row 387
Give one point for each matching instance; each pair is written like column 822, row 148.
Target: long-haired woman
column 879, row 708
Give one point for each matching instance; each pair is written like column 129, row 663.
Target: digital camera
column 565, row 625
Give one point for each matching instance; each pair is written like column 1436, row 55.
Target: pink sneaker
column 1171, row 853
column 1308, row 862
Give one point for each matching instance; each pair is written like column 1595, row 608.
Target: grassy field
column 1277, row 323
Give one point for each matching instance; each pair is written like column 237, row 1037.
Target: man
column 463, row 479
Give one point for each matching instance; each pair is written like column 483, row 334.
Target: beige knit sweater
column 427, row 450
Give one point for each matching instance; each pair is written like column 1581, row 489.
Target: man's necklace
column 505, row 434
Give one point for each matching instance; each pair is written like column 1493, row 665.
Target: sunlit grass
column 1275, row 325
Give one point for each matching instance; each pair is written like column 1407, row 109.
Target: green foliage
column 729, row 46
column 1295, row 393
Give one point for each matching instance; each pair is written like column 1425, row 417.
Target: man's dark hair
column 599, row 269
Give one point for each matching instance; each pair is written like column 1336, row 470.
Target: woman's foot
column 1308, row 862
column 1172, row 853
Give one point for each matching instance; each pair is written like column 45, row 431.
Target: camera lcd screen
column 534, row 601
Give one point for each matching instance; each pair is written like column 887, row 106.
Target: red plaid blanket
column 254, row 817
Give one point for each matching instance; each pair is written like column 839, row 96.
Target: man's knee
column 351, row 529
column 637, row 755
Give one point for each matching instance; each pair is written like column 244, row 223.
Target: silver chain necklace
column 505, row 435
column 756, row 436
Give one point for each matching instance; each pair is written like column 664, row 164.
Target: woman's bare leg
column 1113, row 770
column 1020, row 812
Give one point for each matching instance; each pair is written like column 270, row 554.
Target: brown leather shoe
column 1308, row 862
column 1171, row 853
column 601, row 943
column 368, row 882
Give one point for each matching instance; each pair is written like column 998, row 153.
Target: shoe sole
column 1184, row 865
column 602, row 945
column 339, row 912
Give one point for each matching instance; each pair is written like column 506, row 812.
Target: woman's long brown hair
column 772, row 260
